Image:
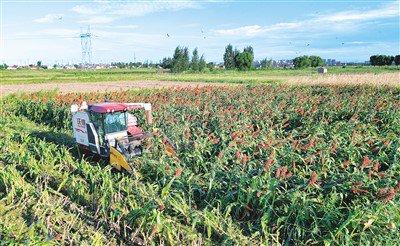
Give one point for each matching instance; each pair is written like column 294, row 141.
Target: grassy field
column 44, row 76
column 305, row 165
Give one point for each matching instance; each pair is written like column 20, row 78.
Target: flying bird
column 202, row 33
column 167, row 35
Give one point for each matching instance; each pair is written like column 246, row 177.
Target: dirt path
column 101, row 86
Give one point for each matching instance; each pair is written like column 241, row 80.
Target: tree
column 180, row 60
column 202, row 63
column 244, row 60
column 3, row 66
column 250, row 50
column 39, row 64
column 229, row 57
column 166, row 63
column 236, row 59
column 397, row 60
column 301, row 62
column 185, row 59
column 194, row 64
column 176, row 60
column 373, row 60
column 381, row 60
column 316, row 61
column 236, row 52
column 265, row 63
column 389, row 60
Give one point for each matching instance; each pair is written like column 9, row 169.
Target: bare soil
column 388, row 79
column 101, row 86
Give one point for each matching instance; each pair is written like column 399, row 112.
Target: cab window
column 97, row 120
column 115, row 122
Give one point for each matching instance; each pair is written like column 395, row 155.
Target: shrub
column 302, row 62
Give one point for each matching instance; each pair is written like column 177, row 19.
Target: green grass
column 246, row 156
column 24, row 76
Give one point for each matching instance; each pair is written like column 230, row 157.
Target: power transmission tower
column 86, row 44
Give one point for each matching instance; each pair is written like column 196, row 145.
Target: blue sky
column 343, row 30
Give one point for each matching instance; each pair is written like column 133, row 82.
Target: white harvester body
column 110, row 131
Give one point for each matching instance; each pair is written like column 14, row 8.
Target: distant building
column 282, row 63
column 101, row 66
column 13, row 67
column 332, row 62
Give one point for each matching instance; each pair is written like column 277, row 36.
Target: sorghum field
column 275, row 164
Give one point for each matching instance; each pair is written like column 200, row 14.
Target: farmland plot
column 256, row 164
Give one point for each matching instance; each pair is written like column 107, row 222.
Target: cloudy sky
column 124, row 30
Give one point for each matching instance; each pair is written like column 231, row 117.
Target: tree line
column 181, row 61
column 308, row 61
column 234, row 59
column 384, row 60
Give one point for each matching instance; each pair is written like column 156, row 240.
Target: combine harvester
column 110, row 130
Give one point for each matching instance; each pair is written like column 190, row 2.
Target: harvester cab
column 110, row 130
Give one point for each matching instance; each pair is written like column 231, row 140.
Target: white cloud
column 357, row 42
column 49, row 18
column 109, row 11
column 47, row 33
column 58, row 31
column 245, row 30
column 97, row 20
column 335, row 22
column 190, row 25
column 84, row 10
column 284, row 26
column 125, row 26
column 390, row 10
column 144, row 8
